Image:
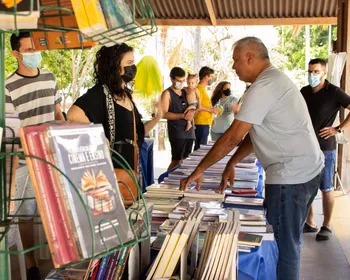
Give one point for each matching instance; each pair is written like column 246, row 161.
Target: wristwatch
column 338, row 129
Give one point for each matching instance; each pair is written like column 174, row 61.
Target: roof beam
column 248, row 21
column 210, row 8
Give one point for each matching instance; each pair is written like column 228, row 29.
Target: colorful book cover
column 82, row 154
column 102, row 269
column 59, row 227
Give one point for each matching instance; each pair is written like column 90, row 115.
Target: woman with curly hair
column 110, row 102
column 222, row 98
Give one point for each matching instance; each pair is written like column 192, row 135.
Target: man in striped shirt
column 32, row 94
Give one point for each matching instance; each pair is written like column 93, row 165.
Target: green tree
column 292, row 46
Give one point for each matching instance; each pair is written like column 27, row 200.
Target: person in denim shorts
column 324, row 101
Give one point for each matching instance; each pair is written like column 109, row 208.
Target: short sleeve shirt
column 202, row 117
column 282, row 134
column 323, row 107
column 223, row 121
column 34, row 98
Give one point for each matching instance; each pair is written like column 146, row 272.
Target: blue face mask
column 32, row 60
column 314, row 80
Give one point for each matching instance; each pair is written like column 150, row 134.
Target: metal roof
column 197, row 12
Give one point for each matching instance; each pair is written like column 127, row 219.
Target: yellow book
column 178, row 249
column 89, row 16
column 174, row 238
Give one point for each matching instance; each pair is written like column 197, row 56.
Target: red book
column 56, row 220
column 236, row 191
column 71, row 243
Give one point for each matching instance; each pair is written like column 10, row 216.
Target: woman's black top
column 93, row 103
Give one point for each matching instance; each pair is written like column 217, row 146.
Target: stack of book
column 81, row 208
column 219, row 254
column 163, row 190
column 248, row 241
column 175, row 245
column 246, row 171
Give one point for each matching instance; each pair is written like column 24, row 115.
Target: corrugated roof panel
column 228, row 9
column 243, row 9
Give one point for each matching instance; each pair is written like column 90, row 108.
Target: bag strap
column 135, row 139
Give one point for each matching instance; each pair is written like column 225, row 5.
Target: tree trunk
column 197, row 49
column 162, row 127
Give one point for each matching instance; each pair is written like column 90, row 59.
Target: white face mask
column 179, row 85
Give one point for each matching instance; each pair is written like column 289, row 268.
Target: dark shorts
column 181, row 148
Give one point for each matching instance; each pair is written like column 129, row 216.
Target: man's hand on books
column 195, row 176
column 227, row 175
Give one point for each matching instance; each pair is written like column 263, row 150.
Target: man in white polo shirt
column 274, row 122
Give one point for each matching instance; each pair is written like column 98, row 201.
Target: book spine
column 110, row 264
column 120, row 263
column 94, row 270
column 62, row 213
column 123, row 264
column 115, row 266
column 63, row 192
column 102, row 269
column 46, row 214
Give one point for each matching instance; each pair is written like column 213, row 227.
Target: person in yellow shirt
column 204, row 117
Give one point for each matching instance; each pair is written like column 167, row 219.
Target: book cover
column 249, row 239
column 59, row 230
column 82, row 154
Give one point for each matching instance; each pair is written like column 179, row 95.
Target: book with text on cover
column 82, row 154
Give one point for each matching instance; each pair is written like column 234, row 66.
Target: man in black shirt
column 324, row 101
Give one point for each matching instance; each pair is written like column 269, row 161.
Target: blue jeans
column 287, row 209
column 202, row 133
column 328, row 172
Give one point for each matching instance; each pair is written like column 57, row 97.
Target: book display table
column 261, row 262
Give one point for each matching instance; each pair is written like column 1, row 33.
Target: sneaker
column 33, row 273
column 308, row 228
column 324, row 234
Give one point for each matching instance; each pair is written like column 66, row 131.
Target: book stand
column 143, row 23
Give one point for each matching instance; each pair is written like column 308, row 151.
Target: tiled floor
column 328, row 259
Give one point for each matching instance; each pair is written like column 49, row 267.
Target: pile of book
column 82, row 211
column 219, row 254
column 176, row 244
column 246, row 171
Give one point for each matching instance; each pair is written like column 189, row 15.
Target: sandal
column 308, row 228
column 324, row 234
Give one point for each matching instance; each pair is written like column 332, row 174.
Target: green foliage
column 10, row 60
column 293, row 48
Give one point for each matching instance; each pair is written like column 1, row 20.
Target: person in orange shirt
column 204, row 117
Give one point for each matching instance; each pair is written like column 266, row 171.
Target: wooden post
column 343, row 29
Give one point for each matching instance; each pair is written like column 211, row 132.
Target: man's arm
column 58, row 113
column 222, row 147
column 165, row 102
column 327, row 132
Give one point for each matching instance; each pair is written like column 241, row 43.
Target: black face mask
column 129, row 73
column 227, row 92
